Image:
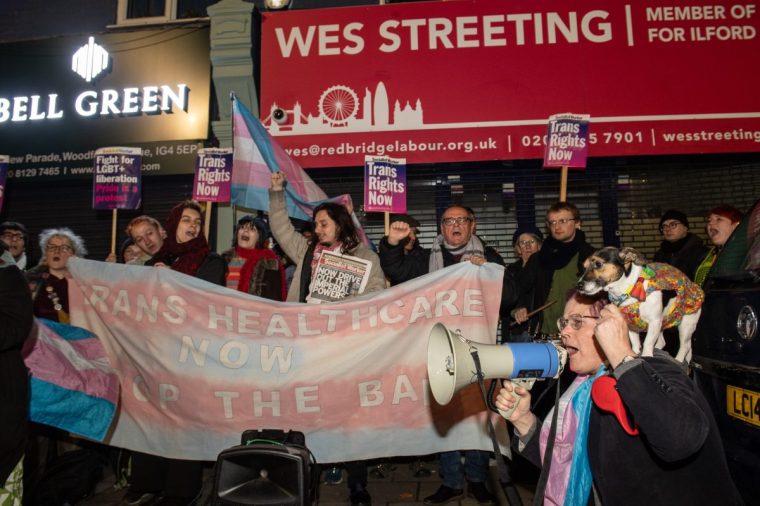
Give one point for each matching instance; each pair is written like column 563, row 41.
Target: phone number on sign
column 34, row 172
column 636, row 137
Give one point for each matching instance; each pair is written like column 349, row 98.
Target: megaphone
column 451, row 366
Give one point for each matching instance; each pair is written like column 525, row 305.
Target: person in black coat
column 456, row 243
column 680, row 248
column 16, row 319
column 555, row 269
column 630, row 430
column 184, row 249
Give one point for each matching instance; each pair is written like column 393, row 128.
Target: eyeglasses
column 562, row 221
column 527, row 242
column 459, row 220
column 12, row 236
column 63, row 248
column 575, row 321
column 669, row 225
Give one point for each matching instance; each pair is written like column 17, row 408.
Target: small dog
column 637, row 289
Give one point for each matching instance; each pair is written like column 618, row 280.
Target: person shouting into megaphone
column 629, row 430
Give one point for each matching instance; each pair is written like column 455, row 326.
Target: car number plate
column 743, row 404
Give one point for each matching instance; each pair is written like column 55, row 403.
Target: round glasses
column 63, row 248
column 669, row 226
column 574, row 320
column 561, row 221
column 527, row 242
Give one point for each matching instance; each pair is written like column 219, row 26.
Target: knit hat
column 729, row 212
column 406, row 219
column 673, row 214
column 261, row 226
column 14, row 225
column 527, row 229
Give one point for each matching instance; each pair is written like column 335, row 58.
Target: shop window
column 138, row 12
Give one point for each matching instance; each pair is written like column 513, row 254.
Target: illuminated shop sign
column 79, row 93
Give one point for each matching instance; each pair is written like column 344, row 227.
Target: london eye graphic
column 338, row 105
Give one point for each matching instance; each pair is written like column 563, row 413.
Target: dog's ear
column 630, row 256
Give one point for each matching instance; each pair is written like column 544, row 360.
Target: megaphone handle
column 526, row 383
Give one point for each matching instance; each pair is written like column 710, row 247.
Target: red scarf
column 252, row 256
column 184, row 257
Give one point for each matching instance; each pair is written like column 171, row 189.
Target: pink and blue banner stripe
column 73, row 386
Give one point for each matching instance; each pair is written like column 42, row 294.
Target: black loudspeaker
column 269, row 468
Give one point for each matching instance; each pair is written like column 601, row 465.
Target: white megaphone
column 451, row 366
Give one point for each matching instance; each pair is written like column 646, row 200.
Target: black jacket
column 685, row 254
column 15, row 325
column 534, row 280
column 677, row 458
column 400, row 267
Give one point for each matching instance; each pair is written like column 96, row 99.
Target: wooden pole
column 207, row 220
column 387, row 223
column 563, row 185
column 538, row 310
column 113, row 231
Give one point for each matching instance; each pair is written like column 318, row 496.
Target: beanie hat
column 729, row 212
column 673, row 214
column 406, row 219
column 14, row 225
column 527, row 229
column 258, row 223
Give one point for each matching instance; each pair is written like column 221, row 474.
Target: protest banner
column 116, row 182
column 213, row 179
column 199, row 363
column 338, row 276
column 566, row 144
column 4, row 161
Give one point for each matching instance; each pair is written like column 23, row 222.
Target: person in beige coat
column 333, row 232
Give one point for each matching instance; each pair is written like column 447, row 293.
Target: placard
column 384, row 184
column 213, row 175
column 337, row 277
column 117, row 178
column 567, row 141
column 3, row 177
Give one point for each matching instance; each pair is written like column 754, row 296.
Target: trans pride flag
column 256, row 156
column 73, row 387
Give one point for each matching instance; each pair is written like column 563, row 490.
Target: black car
column 726, row 359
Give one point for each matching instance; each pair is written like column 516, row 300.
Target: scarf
column 570, row 477
column 185, row 257
column 554, row 254
column 21, row 261
column 252, row 257
column 473, row 247
column 671, row 248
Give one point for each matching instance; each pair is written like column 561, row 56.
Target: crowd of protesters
column 534, row 296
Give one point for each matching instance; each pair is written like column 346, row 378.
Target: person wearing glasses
column 629, row 430
column 679, row 248
column 15, row 237
column 48, row 280
column 526, row 241
column 555, row 269
column 456, row 243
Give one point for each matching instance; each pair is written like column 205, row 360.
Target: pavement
column 396, row 482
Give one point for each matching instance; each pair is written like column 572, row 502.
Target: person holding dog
column 629, row 430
